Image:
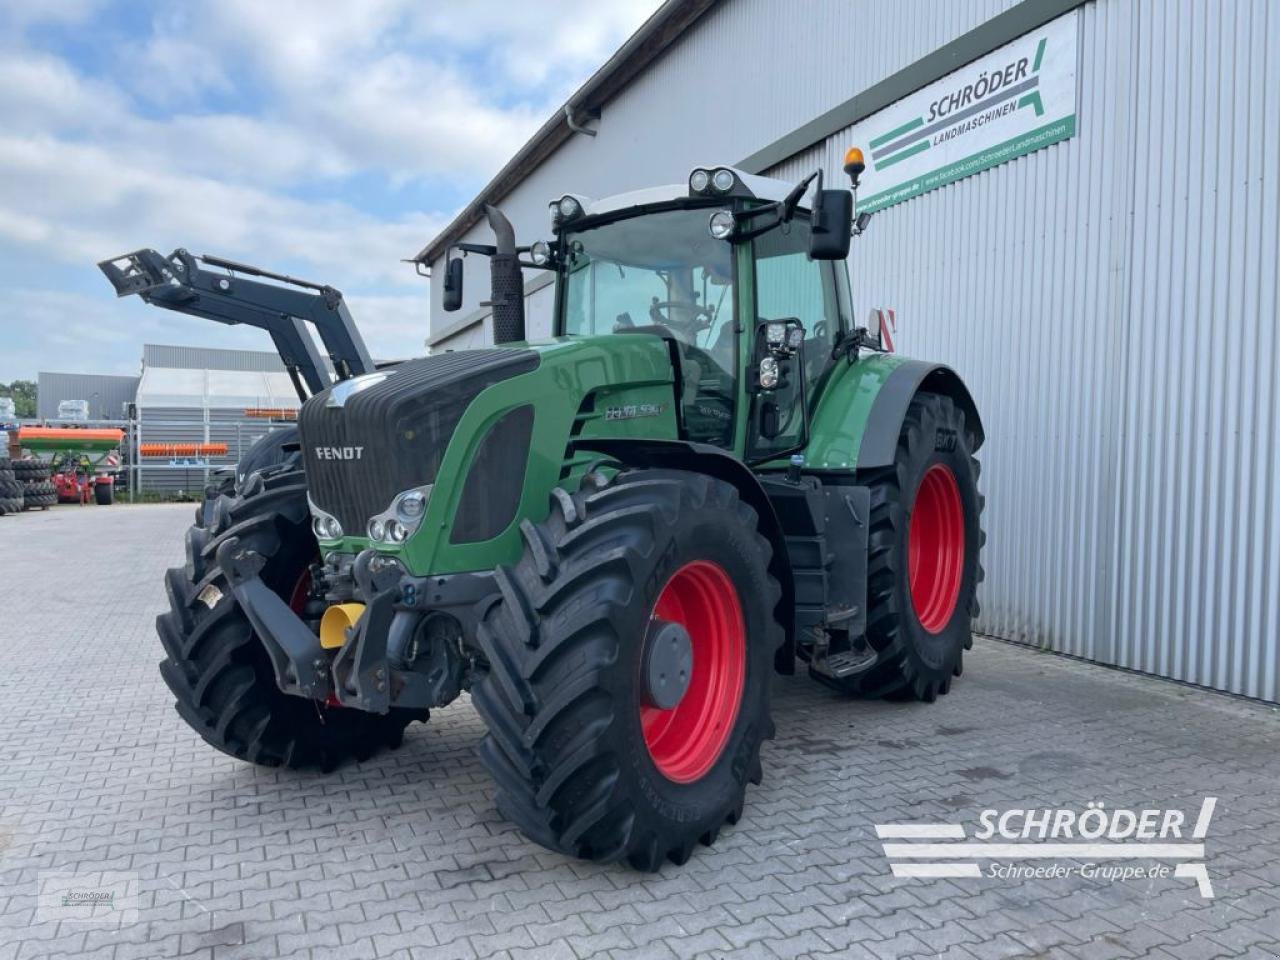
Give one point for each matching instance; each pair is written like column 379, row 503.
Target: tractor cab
column 743, row 276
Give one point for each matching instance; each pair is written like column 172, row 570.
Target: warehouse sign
column 1014, row 100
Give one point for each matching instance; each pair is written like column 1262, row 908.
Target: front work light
column 540, row 252
column 569, row 208
column 721, row 224
column 722, row 180
column 699, row 180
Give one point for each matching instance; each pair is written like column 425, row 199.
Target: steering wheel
column 693, row 325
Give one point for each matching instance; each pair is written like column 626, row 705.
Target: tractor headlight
column 768, row 373
column 399, row 521
column 721, row 224
column 411, row 506
column 722, row 180
column 540, row 253
column 323, row 524
column 699, row 180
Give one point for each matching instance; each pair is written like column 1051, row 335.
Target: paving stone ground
column 405, row 856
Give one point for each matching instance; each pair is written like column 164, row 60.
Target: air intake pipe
column 506, row 280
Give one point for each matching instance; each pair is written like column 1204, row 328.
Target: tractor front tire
column 216, row 666
column 591, row 755
column 923, row 564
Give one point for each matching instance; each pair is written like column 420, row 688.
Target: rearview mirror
column 451, row 295
column 832, row 225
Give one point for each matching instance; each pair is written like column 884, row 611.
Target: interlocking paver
column 405, row 857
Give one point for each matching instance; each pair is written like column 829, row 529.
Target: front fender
column 711, row 460
column 860, row 412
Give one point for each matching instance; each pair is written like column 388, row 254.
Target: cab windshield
column 662, row 273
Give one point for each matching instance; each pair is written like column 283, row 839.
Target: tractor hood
column 367, row 439
column 474, row 431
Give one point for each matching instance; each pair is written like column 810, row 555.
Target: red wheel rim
column 301, row 591
column 935, row 548
column 685, row 741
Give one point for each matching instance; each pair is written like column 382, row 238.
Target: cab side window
column 789, row 284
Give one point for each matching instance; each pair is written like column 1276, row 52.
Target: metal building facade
column 108, row 396
column 198, row 395
column 1111, row 300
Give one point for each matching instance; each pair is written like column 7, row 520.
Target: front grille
column 391, row 436
column 495, row 481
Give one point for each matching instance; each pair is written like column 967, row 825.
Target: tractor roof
column 748, row 185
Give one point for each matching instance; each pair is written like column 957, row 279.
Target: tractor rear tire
column 39, row 494
column 104, row 494
column 216, row 666
column 584, row 759
column 924, row 562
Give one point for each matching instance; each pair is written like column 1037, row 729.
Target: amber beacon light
column 854, row 164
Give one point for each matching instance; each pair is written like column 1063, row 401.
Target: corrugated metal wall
column 106, row 394
column 1112, row 301
column 210, row 358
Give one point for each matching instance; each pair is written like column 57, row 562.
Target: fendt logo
column 339, row 453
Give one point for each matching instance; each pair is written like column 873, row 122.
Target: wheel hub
column 668, row 664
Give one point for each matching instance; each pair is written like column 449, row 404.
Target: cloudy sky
column 324, row 139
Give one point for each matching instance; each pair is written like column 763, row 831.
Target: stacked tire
column 10, row 489
column 37, row 491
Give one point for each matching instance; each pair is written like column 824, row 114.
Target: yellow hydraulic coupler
column 335, row 623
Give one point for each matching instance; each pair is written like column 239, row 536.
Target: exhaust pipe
column 506, row 280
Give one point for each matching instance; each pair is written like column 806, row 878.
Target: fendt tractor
column 612, row 538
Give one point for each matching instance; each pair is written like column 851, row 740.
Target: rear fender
column 860, row 413
column 704, row 458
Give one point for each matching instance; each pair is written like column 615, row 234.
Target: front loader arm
column 179, row 282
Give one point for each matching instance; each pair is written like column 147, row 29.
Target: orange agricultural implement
column 182, row 449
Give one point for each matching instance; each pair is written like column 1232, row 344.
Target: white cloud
column 80, row 203
column 216, row 127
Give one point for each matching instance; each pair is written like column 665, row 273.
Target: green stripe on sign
column 982, row 160
column 1032, row 99
column 1035, row 68
column 886, row 137
column 903, row 154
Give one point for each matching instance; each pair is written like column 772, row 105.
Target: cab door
column 789, row 286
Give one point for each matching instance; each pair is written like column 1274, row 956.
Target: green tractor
column 612, row 539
